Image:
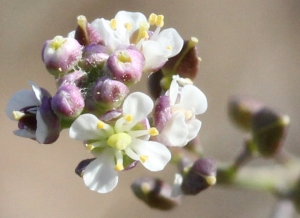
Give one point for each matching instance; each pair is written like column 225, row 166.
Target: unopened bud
column 241, row 111
column 269, row 130
column 154, row 86
column 162, row 112
column 82, row 165
column 155, row 193
column 126, row 65
column 68, row 102
column 76, row 78
column 61, row 55
column 200, row 176
column 109, row 94
column 94, row 56
column 185, row 63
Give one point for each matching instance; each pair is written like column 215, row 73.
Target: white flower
column 132, row 28
column 36, row 119
column 185, row 102
column 109, row 143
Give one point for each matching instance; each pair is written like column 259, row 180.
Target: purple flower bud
column 155, row 193
column 109, row 94
column 126, row 65
column 162, row 112
column 61, row 55
column 200, row 176
column 269, row 130
column 154, row 85
column 76, row 78
column 68, row 102
column 94, row 56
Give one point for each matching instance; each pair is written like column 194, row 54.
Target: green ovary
column 119, row 140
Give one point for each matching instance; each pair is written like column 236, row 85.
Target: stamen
column 153, row 131
column 143, row 158
column 90, row 147
column 169, row 47
column 17, row 115
column 81, row 21
column 144, row 27
column 124, row 57
column 119, row 167
column 152, row 19
column 160, row 20
column 128, row 26
column 128, row 118
column 101, row 125
column 113, row 24
column 188, row 114
column 119, row 160
column 56, row 42
column 211, row 180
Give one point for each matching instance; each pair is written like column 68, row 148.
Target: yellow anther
column 143, row 158
column 188, row 114
column 81, row 21
column 152, row 19
column 57, row 42
column 124, row 57
column 160, row 20
column 89, row 147
column 101, row 125
column 128, row 26
column 145, row 188
column 145, row 35
column 17, row 115
column 153, row 131
column 192, row 42
column 113, row 24
column 119, row 167
column 128, row 118
column 211, row 180
column 169, row 47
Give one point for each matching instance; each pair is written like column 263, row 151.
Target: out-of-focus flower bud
column 61, row 55
column 109, row 94
column 93, row 56
column 269, row 130
column 185, row 63
column 155, row 193
column 86, row 34
column 126, row 65
column 76, row 78
column 241, row 111
column 200, row 176
column 162, row 112
column 82, row 165
column 68, row 102
column 154, row 86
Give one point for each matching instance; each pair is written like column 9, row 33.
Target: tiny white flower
column 109, row 143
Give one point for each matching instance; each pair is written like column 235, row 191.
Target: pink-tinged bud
column 162, row 112
column 94, row 56
column 109, row 94
column 200, row 176
column 68, row 102
column 126, row 65
column 155, row 193
column 61, row 55
column 85, row 33
column 76, row 78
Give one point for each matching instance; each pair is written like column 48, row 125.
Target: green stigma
column 119, row 140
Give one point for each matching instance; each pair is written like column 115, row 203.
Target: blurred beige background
column 247, row 47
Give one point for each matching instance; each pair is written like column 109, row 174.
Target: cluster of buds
column 94, row 68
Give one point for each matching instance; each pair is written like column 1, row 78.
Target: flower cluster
column 94, row 67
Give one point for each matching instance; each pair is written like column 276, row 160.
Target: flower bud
column 185, row 63
column 61, row 55
column 154, row 86
column 269, row 130
column 200, row 176
column 68, row 102
column 126, row 65
column 241, row 111
column 93, row 56
column 162, row 112
column 82, row 165
column 76, row 78
column 155, row 193
column 109, row 94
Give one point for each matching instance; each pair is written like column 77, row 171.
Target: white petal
column 85, row 128
column 24, row 133
column 155, row 55
column 41, row 129
column 158, row 154
column 100, row 175
column 193, row 127
column 71, row 34
column 173, row 91
column 21, row 99
column 137, row 104
column 175, row 131
column 170, row 38
column 37, row 91
column 192, row 97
